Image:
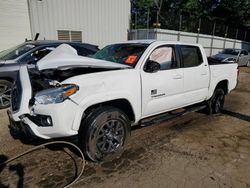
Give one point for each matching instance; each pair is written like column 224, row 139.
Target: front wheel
column 216, row 103
column 5, row 93
column 104, row 134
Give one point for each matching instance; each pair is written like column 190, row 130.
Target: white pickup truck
column 100, row 98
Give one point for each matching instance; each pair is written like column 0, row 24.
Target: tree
column 233, row 12
column 229, row 12
column 139, row 12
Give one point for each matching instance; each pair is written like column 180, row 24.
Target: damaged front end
column 42, row 98
column 41, row 101
column 40, row 105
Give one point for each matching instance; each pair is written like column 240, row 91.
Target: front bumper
column 62, row 116
column 19, row 128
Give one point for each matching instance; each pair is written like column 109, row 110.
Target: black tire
column 104, row 134
column 248, row 63
column 5, row 93
column 216, row 103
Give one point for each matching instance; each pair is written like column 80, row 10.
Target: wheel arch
column 7, row 79
column 122, row 104
column 223, row 84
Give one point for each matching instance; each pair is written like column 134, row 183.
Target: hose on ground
column 47, row 144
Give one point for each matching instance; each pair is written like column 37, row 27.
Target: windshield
column 231, row 51
column 127, row 54
column 16, row 51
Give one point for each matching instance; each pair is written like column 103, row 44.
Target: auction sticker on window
column 131, row 59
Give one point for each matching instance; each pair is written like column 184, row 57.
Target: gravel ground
column 195, row 150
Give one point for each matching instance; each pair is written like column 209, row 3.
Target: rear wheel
column 216, row 103
column 248, row 63
column 5, row 93
column 104, row 134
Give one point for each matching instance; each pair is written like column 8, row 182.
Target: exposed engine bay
column 51, row 78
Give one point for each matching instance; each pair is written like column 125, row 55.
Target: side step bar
column 170, row 115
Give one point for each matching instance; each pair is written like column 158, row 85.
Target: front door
column 162, row 90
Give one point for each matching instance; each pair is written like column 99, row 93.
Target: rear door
column 162, row 90
column 196, row 73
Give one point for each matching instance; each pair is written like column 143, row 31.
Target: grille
column 16, row 95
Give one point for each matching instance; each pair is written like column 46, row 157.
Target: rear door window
column 37, row 54
column 190, row 55
column 82, row 51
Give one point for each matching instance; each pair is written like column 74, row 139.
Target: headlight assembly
column 56, row 95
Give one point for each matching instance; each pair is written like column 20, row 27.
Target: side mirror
column 152, row 66
column 242, row 55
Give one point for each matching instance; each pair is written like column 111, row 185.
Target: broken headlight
column 56, row 95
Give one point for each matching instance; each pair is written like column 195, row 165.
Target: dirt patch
column 191, row 151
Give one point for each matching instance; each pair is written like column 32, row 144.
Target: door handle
column 177, row 76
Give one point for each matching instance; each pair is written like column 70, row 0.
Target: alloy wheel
column 110, row 136
column 5, row 95
column 219, row 102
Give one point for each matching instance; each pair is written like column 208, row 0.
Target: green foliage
column 145, row 3
column 234, row 13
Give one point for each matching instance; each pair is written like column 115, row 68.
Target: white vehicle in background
column 230, row 55
column 100, row 98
